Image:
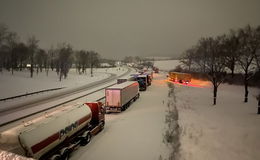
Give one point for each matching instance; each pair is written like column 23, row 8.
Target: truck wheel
column 102, row 125
column 65, row 153
column 55, row 157
column 85, row 140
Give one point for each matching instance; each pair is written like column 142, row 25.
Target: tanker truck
column 119, row 96
column 55, row 135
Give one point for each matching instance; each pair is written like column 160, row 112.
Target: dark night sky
column 117, row 28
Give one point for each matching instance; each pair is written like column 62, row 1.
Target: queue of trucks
column 55, row 135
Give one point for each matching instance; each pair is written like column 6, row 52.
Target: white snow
column 21, row 83
column 133, row 134
column 4, row 155
column 166, row 65
column 229, row 130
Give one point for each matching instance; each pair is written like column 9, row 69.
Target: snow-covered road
column 135, row 133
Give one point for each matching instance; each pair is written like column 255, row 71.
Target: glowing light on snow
column 194, row 83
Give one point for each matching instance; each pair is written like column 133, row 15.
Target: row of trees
column 142, row 62
column 17, row 56
column 214, row 56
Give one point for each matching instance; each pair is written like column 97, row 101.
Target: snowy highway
column 136, row 133
column 28, row 109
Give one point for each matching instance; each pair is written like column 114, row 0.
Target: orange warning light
column 194, row 83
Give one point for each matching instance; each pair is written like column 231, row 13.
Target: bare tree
column 32, row 43
column 138, row 59
column 64, row 60
column 202, row 53
column 128, row 59
column 188, row 57
column 231, row 47
column 93, row 60
column 257, row 59
column 215, row 62
column 40, row 59
column 3, row 47
column 49, row 62
column 51, row 55
column 21, row 51
column 249, row 44
column 12, row 40
column 84, row 56
column 78, row 61
column 82, row 60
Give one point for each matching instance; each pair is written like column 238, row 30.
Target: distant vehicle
column 156, row 70
column 119, row 96
column 130, row 78
column 150, row 76
column 56, row 135
column 179, row 77
column 144, row 79
column 121, row 80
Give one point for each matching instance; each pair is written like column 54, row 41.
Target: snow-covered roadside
column 229, row 130
column 73, row 83
column 11, row 156
column 21, row 83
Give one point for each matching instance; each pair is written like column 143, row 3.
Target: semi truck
column 119, row 96
column 55, row 135
column 145, row 79
column 142, row 81
column 180, row 77
column 149, row 77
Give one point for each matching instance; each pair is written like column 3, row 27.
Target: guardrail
column 73, row 99
column 2, row 124
column 28, row 94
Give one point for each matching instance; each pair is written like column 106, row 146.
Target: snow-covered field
column 166, row 65
column 21, row 83
column 229, row 130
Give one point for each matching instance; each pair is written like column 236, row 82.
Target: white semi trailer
column 57, row 134
column 119, row 96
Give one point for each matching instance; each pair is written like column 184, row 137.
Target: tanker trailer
column 55, row 135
